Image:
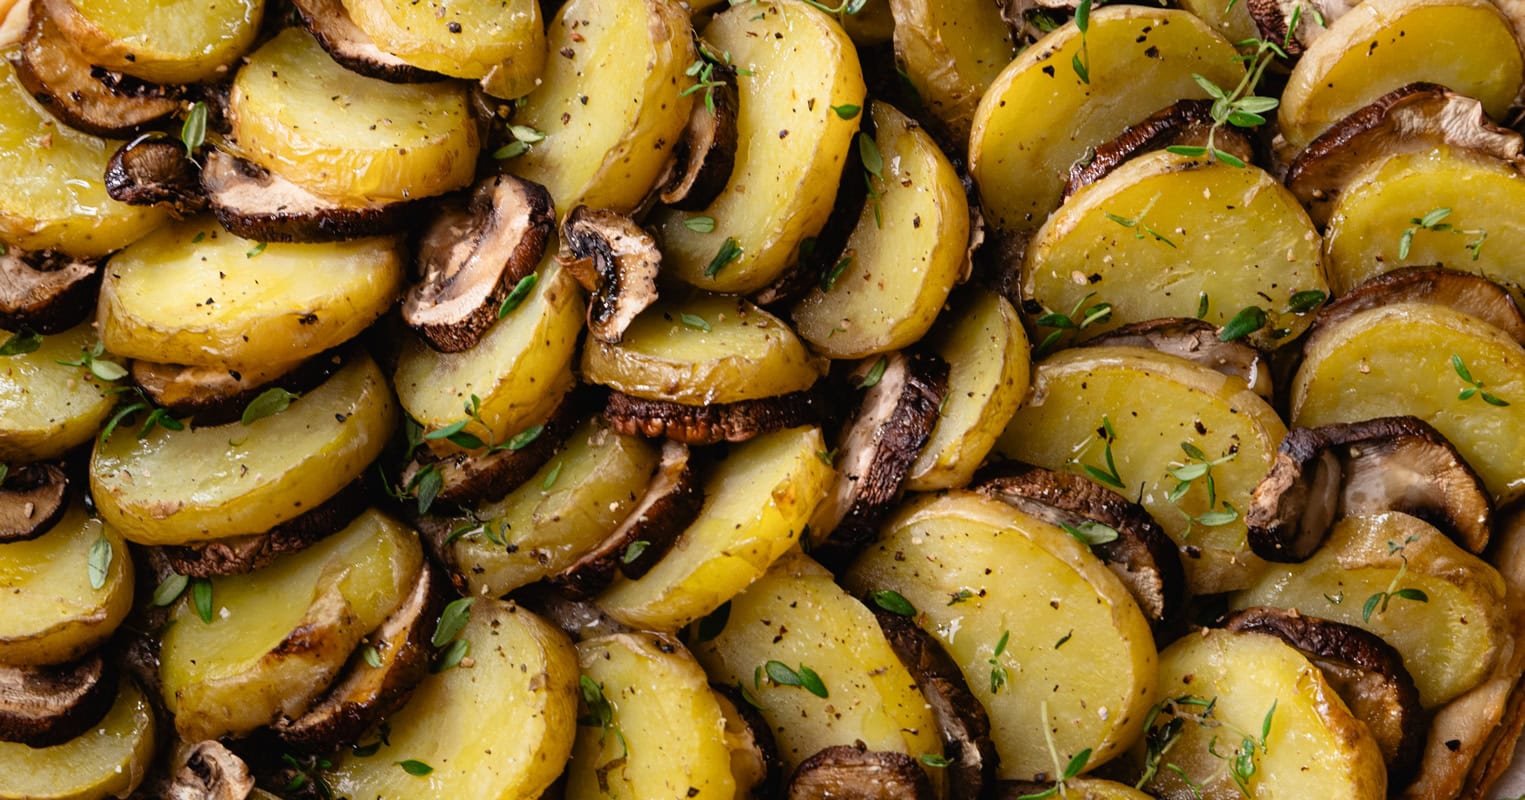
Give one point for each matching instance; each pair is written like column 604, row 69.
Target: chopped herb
column 935, row 760
column 1063, row 639
column 827, row 457
column 1240, row 107
column 1079, row 318
column 1303, row 302
column 415, row 767
column 700, row 224
column 269, row 402
column 21, row 342
column 1198, row 466
column 99, row 562
column 730, row 250
column 193, row 132
column 894, row 602
column 829, row 277
column 602, row 711
column 1139, row 228
column 256, row 250
column 516, row 296
column 550, row 478
column 1432, row 222
column 806, row 678
column 1377, row 603
column 451, row 657
column 200, row 235
column 159, row 417
column 201, row 598
column 847, row 110
column 959, row 596
column 875, row 373
column 524, row 136
column 1109, row 476
column 1474, row 386
column 1077, row 763
column 1081, row 62
column 1247, row 321
column 426, row 486
column 1201, row 305
column 372, row 656
column 451, row 621
column 696, row 322
column 1090, row 532
column 90, row 359
column 868, row 153
column 998, row 672
column 524, row 438
column 848, row 7
column 634, row 550
column 1158, row 741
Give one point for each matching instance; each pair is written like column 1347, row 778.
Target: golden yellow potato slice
column 1449, row 640
column 951, row 52
column 55, row 196
column 906, row 252
column 612, row 111
column 1402, row 359
column 790, row 153
column 1263, row 693
column 1232, row 21
column 167, row 41
column 201, row 483
column 1162, row 230
column 1155, row 403
column 345, row 136
column 500, row 730
column 1039, row 117
column 1046, row 635
column 109, row 760
column 1381, row 45
column 756, row 503
column 459, row 38
column 276, row 637
column 53, row 612
column 671, row 742
column 797, row 616
column 48, row 408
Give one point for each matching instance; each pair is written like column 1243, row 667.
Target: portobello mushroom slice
column 1321, row 475
column 1195, row 340
column 32, row 498
column 211, row 772
column 720, row 422
column 1186, row 123
column 853, row 772
column 1366, row 672
column 617, row 262
column 1142, row 555
column 257, row 204
column 47, row 706
column 705, row 155
column 471, row 257
column 755, row 762
column 1410, row 119
column 351, row 48
column 1463, row 291
column 47, row 292
column 670, row 503
column 156, row 171
column 213, row 396
column 577, row 617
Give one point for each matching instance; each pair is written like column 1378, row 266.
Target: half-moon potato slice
column 472, row 39
column 952, row 51
column 50, row 407
column 109, row 760
column 183, row 41
column 329, row 22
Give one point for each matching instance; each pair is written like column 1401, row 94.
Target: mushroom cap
column 155, row 171
column 211, row 772
column 47, row 292
column 329, row 22
column 617, row 261
column 257, row 204
column 717, row 422
column 1463, row 291
column 1197, row 341
column 1184, row 123
column 853, row 772
column 32, row 498
column 47, row 706
column 705, row 155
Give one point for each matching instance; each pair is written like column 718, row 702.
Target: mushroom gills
column 48, row 705
column 47, row 292
column 853, row 772
column 617, row 262
column 706, row 153
column 257, row 204
column 156, row 171
column 32, row 498
column 211, row 772
column 713, row 423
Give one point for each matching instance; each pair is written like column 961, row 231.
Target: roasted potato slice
column 345, row 136
column 1416, row 360
column 109, row 760
column 54, row 613
column 1076, row 788
column 268, row 643
column 229, row 480
column 904, row 256
column 611, row 103
column 951, row 52
column 1158, row 407
column 195, row 294
column 500, row 730
column 790, row 153
column 48, row 408
column 1444, row 612
column 756, row 505
column 998, row 589
column 1250, row 706
column 471, row 39
column 1150, row 239
column 1232, row 22
column 182, row 41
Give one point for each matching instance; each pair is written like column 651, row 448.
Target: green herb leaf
column 451, row 657
column 525, row 437
column 847, row 110
column 201, row 598
column 1229, row 159
column 730, row 250
column 256, row 249
column 1433, row 218
column 700, row 224
column 269, row 402
column 935, row 760
column 634, row 550
column 193, row 132
column 1091, row 533
column 516, row 296
column 170, row 589
column 829, row 278
column 429, row 482
column 1201, row 305
column 451, row 621
column 695, row 321
column 372, row 657
column 868, row 153
column 875, row 373
column 116, row 419
column 550, row 478
column 1077, row 763
column 1247, row 321
column 1303, row 302
column 894, row 602
column 415, row 767
column 99, row 562
column 811, row 682
column 1083, row 16
column 513, row 149
column 1186, row 150
column 21, row 342
column 526, row 134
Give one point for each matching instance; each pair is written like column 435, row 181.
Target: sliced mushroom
column 363, row 694
column 351, row 48
column 1195, row 340
column 255, row 203
column 212, row 772
column 155, row 171
column 472, row 257
column 615, row 260
column 1463, row 291
column 1142, row 555
column 46, row 706
column 214, row 396
column 1366, row 672
column 671, row 502
column 1321, row 475
column 32, row 498
column 579, row 618
column 721, row 422
column 755, row 762
column 853, row 772
column 1185, row 123
column 243, row 554
column 961, row 720
column 1275, row 18
column 706, row 153
column 1411, row 119
column 47, row 292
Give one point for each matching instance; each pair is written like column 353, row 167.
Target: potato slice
column 1265, row 693
column 610, row 102
column 797, row 616
column 48, row 408
column 53, row 614
column 182, row 41
column 1381, row 45
column 790, row 152
column 671, row 739
column 951, row 52
column 739, row 352
column 279, row 635
column 1232, row 22
column 1449, row 641
column 471, row 39
column 560, row 513
column 198, row 484
column 109, row 760
column 1077, row 789
column 195, row 294
column 982, row 575
column 1155, row 402
column 907, row 251
column 345, row 136
column 55, row 196
column 1039, row 117
column 756, row 503
column 1398, row 360
column 500, row 730
column 1161, row 231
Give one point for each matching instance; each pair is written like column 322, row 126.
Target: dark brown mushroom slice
column 711, row 424
column 1321, row 475
column 1142, row 556
column 351, row 48
column 755, row 761
column 1366, row 672
column 471, row 257
column 47, row 292
column 211, row 772
column 1410, row 119
column 672, row 501
column 243, row 554
column 617, row 261
column 962, row 722
column 853, row 772
column 364, row 694
column 1197, row 341
column 1463, row 291
column 47, row 706
column 32, row 498
column 706, row 152
column 216, row 396
column 255, row 203
column 155, row 170
column 1185, row 123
